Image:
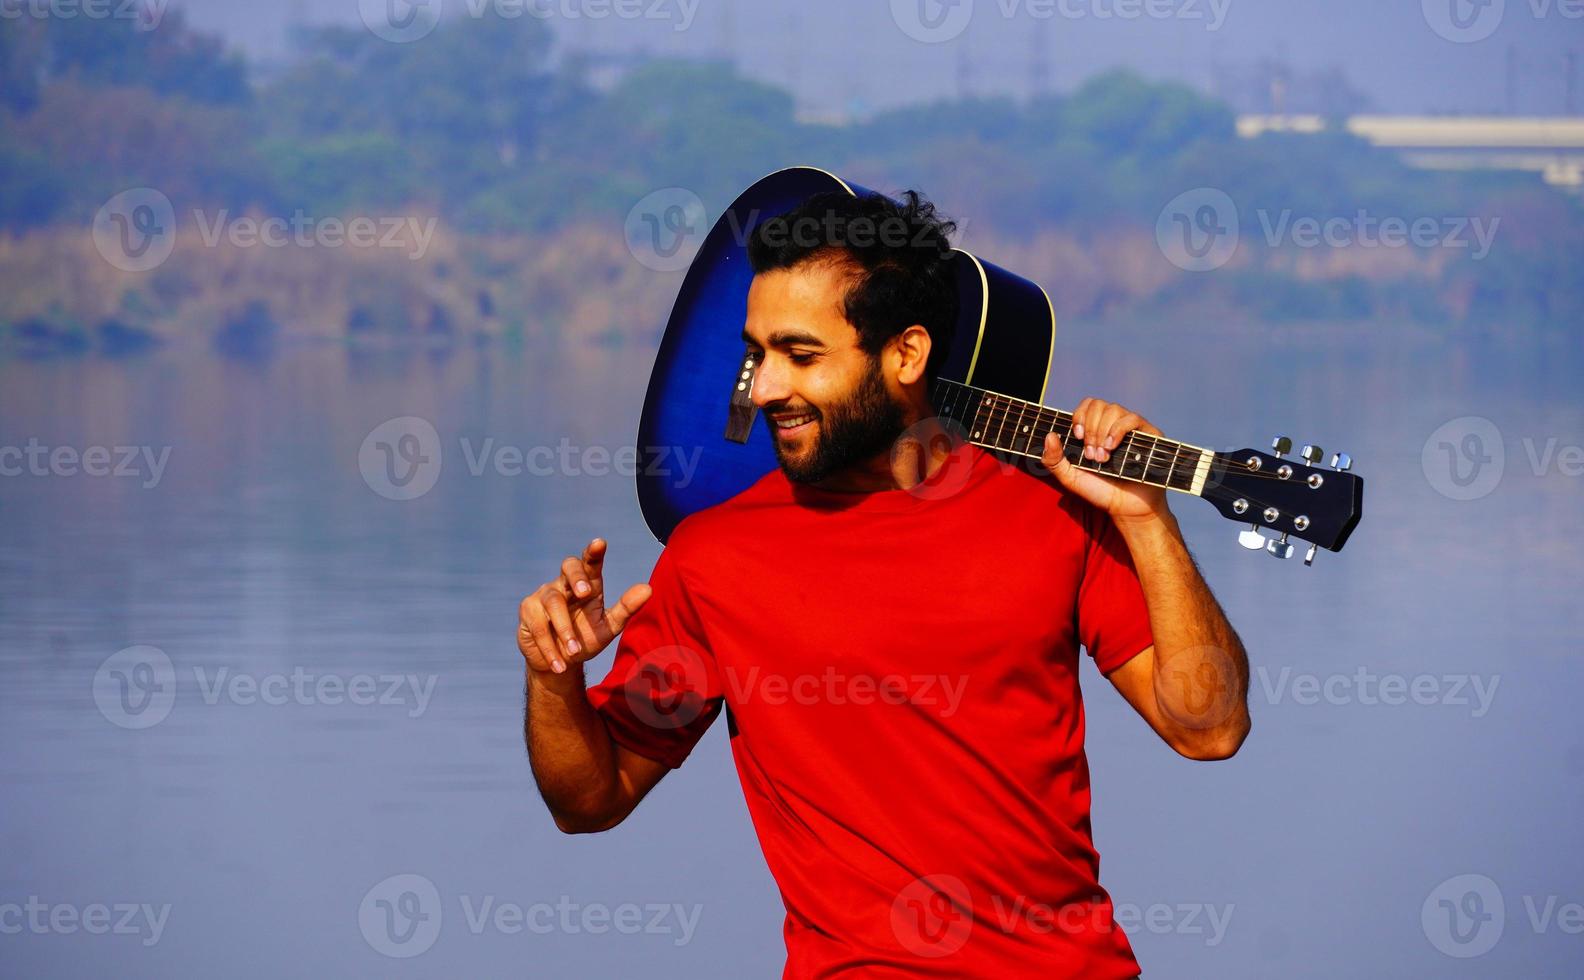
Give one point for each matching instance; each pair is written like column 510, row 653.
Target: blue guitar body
column 1003, row 342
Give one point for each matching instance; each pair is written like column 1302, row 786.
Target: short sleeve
column 663, row 689
column 1113, row 620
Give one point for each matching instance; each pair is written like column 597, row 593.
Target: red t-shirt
column 900, row 672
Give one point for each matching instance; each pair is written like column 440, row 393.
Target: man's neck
column 921, row 450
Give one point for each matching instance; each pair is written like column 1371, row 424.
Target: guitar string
column 1182, row 451
column 1063, row 427
column 1177, row 454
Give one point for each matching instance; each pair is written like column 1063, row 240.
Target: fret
column 997, row 418
column 975, row 431
column 1140, row 457
column 1034, row 432
column 1017, row 424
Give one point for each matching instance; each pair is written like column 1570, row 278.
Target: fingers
column 555, row 605
column 594, row 564
column 556, row 626
column 534, row 639
column 574, row 573
column 584, row 578
column 1103, row 425
column 631, row 601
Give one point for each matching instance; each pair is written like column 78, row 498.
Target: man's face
column 812, row 367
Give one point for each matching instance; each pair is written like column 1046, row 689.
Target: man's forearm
column 569, row 747
column 1201, row 669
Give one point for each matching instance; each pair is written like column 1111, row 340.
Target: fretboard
column 997, row 421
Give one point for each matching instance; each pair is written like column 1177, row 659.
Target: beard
column 865, row 424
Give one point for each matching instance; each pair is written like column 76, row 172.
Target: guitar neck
column 996, row 421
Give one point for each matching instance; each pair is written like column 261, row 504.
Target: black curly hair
column 901, row 259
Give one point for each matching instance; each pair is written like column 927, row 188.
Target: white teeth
column 789, row 423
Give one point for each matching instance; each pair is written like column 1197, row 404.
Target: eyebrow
column 786, row 338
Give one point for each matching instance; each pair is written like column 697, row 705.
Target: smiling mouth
column 786, row 428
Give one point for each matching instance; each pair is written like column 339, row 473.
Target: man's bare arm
column 1192, row 685
column 588, row 781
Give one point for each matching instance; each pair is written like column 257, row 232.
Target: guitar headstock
column 1289, row 497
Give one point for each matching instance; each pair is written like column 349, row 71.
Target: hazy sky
column 1407, row 55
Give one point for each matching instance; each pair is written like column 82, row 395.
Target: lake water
column 241, row 691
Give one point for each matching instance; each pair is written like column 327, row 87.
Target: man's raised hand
column 565, row 621
column 1101, row 426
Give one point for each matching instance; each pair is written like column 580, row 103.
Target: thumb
column 631, row 601
column 1065, row 472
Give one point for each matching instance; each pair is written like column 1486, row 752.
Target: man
column 892, row 621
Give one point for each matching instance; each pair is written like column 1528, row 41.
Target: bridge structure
column 1552, row 146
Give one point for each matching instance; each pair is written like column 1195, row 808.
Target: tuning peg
column 1279, row 547
column 1312, row 454
column 1280, row 445
column 1341, row 461
column 1251, row 539
column 1309, row 558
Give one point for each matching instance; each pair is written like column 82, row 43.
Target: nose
column 770, row 384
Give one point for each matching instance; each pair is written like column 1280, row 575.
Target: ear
column 912, row 349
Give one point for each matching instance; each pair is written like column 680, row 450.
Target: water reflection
column 264, row 813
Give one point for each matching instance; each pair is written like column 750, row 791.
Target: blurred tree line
column 480, row 124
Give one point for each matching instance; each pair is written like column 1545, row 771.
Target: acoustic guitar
column 988, row 391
